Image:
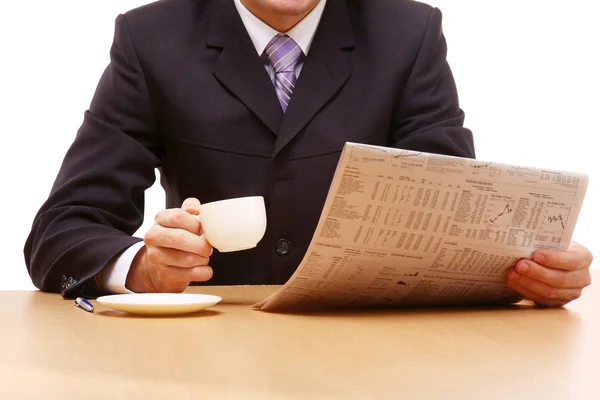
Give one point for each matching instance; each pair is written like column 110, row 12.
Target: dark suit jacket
column 186, row 92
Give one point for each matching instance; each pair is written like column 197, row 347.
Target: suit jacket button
column 283, row 247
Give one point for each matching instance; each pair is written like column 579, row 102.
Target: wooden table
column 52, row 350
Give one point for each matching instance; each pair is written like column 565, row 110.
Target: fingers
column 200, row 274
column 191, row 205
column 178, row 218
column 557, row 278
column 175, row 258
column 554, row 278
column 538, row 299
column 176, row 251
column 169, row 278
column 178, row 239
column 576, row 257
column 540, row 292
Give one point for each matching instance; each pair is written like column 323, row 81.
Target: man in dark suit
column 231, row 98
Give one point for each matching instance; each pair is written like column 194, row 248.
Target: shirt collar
column 261, row 33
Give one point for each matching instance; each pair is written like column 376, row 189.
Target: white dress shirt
column 113, row 277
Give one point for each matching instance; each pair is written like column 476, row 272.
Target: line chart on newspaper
column 407, row 228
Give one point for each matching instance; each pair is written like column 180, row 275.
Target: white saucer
column 159, row 303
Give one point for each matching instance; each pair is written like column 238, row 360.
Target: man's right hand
column 175, row 253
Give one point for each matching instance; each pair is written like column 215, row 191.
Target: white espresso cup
column 234, row 224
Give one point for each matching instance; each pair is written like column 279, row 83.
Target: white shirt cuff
column 113, row 277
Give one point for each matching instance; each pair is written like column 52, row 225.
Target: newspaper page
column 405, row 228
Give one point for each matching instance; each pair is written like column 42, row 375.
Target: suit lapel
column 324, row 73
column 239, row 68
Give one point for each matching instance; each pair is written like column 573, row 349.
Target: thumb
column 191, row 205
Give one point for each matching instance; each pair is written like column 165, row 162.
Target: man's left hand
column 553, row 278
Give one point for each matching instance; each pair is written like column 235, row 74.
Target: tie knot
column 283, row 53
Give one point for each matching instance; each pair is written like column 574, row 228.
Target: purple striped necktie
column 283, row 54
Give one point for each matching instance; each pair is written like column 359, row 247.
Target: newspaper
column 406, row 228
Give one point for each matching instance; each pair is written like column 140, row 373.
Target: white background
column 527, row 73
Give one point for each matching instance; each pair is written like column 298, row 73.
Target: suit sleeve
column 428, row 116
column 97, row 200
